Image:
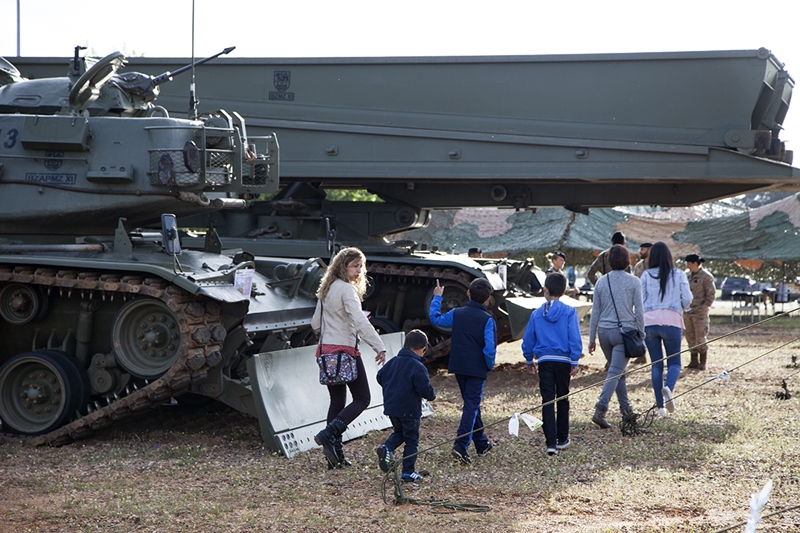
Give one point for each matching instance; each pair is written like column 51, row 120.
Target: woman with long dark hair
column 666, row 295
column 341, row 322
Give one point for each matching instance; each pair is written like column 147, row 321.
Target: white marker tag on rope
column 757, row 502
column 722, row 375
column 531, row 421
column 513, row 425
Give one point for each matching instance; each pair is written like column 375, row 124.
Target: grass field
column 206, row 470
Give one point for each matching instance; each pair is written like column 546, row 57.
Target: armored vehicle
column 423, row 133
column 99, row 317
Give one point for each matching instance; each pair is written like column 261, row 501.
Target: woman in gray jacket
column 666, row 295
column 340, row 321
column 617, row 299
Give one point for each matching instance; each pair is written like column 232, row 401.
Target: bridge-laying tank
column 101, row 318
column 579, row 131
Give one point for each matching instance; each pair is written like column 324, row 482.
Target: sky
column 356, row 28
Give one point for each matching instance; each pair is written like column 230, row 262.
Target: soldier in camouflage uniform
column 701, row 283
column 601, row 265
column 644, row 255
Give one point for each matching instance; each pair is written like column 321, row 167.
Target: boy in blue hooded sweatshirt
column 405, row 382
column 552, row 342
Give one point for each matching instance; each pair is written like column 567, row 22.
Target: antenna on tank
column 192, row 99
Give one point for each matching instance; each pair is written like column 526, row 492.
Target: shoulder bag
column 634, row 345
column 335, row 368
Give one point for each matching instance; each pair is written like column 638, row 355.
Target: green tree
column 351, row 195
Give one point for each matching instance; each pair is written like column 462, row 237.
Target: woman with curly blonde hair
column 341, row 323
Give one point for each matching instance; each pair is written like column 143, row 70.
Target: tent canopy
column 769, row 232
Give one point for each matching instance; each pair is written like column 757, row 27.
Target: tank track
column 200, row 322
column 441, row 348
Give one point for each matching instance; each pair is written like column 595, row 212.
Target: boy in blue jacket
column 405, row 382
column 552, row 341
column 473, row 346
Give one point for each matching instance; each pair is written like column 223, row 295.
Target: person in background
column 557, row 260
column 644, row 254
column 641, row 266
column 666, row 295
column 473, row 347
column 601, row 265
column 617, row 299
column 405, row 382
column 340, row 322
column 475, row 252
column 552, row 347
column 701, row 283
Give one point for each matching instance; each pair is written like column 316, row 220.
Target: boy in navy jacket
column 552, row 341
column 405, row 382
column 473, row 346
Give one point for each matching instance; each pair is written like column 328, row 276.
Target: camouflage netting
column 764, row 237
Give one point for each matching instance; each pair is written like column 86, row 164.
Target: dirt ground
column 206, row 469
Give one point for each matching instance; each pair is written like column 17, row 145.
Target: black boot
column 327, row 439
column 599, row 417
column 340, row 454
column 343, row 462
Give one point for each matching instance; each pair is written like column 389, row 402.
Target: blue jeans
column 554, row 383
column 613, row 348
column 670, row 336
column 405, row 430
column 472, row 394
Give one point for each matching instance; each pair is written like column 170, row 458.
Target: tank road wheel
column 39, row 392
column 22, row 304
column 455, row 295
column 383, row 325
column 146, row 338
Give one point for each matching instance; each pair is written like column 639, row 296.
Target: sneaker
column 484, row 452
column 413, row 477
column 552, row 451
column 661, row 412
column 384, row 458
column 461, row 454
column 564, row 445
column 669, row 401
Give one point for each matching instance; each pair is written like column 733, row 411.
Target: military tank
column 100, row 317
column 429, row 133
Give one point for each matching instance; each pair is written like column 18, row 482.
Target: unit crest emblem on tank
column 281, row 79
column 53, row 160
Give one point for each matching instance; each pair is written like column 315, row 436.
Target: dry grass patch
column 206, row 470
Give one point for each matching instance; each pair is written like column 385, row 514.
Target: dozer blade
column 292, row 406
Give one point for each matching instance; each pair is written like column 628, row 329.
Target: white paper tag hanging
column 757, row 502
column 531, row 421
